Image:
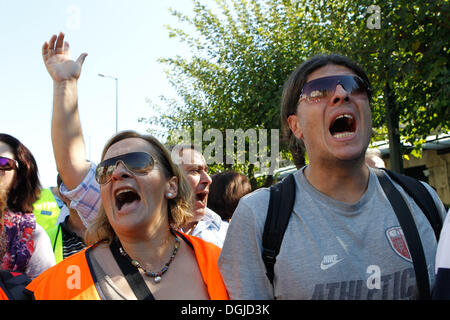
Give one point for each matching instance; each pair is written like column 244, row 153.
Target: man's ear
column 172, row 187
column 295, row 126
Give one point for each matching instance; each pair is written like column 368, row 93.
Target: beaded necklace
column 156, row 275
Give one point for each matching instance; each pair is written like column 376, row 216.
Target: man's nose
column 205, row 178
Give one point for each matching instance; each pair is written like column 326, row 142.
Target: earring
column 169, row 195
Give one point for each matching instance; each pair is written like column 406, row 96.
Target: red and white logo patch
column 397, row 241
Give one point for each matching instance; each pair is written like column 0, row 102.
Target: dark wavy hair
column 26, row 186
column 292, row 89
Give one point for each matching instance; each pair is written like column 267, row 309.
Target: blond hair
column 179, row 208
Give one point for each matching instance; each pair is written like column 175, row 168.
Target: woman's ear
column 294, row 124
column 172, row 188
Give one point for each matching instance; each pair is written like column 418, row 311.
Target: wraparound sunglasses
column 316, row 90
column 136, row 162
column 7, row 164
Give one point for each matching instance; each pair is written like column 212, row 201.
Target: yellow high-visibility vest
column 46, row 209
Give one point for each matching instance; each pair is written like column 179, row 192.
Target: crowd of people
column 138, row 225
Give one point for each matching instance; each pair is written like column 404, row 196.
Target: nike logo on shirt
column 329, row 261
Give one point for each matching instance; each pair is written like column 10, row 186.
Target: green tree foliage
column 407, row 59
column 242, row 51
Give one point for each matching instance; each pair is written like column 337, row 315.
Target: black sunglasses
column 7, row 164
column 136, row 162
column 316, row 90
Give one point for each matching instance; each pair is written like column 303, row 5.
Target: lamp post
column 117, row 95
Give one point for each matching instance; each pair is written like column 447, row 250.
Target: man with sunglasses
column 343, row 240
column 78, row 175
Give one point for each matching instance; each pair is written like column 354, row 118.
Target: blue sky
column 122, row 38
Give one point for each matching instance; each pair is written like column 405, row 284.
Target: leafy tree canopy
column 242, row 51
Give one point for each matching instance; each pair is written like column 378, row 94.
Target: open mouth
column 125, row 196
column 201, row 196
column 343, row 126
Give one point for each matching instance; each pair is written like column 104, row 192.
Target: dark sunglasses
column 318, row 89
column 136, row 162
column 8, row 164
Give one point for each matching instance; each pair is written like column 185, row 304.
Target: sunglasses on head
column 135, row 162
column 318, row 89
column 8, row 164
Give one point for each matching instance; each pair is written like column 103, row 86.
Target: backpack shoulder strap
column 422, row 197
column 282, row 197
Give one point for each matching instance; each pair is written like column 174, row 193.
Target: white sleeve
column 443, row 250
column 43, row 256
column 85, row 198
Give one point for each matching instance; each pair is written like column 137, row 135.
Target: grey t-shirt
column 331, row 249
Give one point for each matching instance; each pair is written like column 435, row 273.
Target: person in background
column 225, row 191
column 205, row 224
column 67, row 236
column 441, row 290
column 26, row 245
column 47, row 208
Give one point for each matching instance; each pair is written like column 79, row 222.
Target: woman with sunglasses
column 25, row 246
column 136, row 252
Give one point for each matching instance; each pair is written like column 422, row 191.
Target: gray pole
column 117, row 97
column 117, row 103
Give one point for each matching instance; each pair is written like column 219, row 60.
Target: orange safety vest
column 72, row 278
column 3, row 295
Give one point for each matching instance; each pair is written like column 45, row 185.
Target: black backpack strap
column 282, row 197
column 422, row 197
column 411, row 234
column 13, row 285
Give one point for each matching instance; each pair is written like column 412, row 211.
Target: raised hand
column 67, row 136
column 56, row 55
